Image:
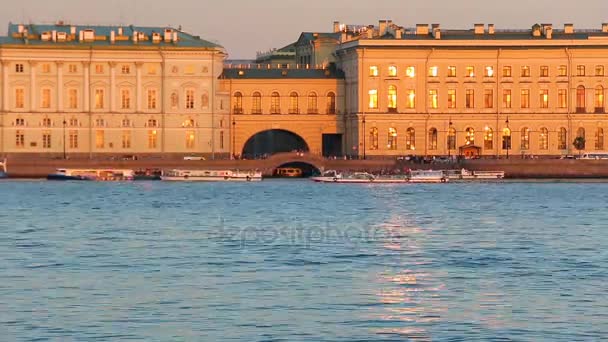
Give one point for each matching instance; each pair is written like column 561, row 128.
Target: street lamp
column 508, row 141
column 64, row 153
column 234, row 139
column 364, row 133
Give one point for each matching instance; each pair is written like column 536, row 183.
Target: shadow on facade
column 269, row 142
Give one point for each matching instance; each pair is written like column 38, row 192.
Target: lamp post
column 64, row 153
column 233, row 139
column 364, row 133
column 508, row 142
column 450, row 140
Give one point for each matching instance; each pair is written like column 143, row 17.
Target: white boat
column 212, row 176
column 332, row 176
column 3, row 171
column 92, row 174
column 464, row 174
column 427, row 176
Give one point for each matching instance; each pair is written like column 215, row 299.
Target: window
column 580, row 70
column 151, row 98
column 275, row 103
column 19, row 139
column 221, row 139
column 525, row 71
column 525, row 98
column 125, row 99
column 373, row 138
column 19, row 67
column 19, row 98
column 46, row 139
column 433, row 71
column 599, row 70
column 331, row 103
column 525, row 138
column 46, row 68
column 506, row 71
column 99, row 139
column 190, row 138
column 410, row 139
column 488, row 98
column 392, row 139
column 562, row 70
column 451, row 141
column 543, row 139
column 451, row 71
column 506, row 98
column 99, row 68
column 470, row 71
column 126, row 139
column 411, row 99
column 544, row 71
column 470, row 98
column 152, row 138
column 99, row 122
column 45, row 101
column 19, row 122
column 72, row 98
column 125, row 69
column 293, row 103
column 451, row 98
column 256, row 106
column 562, row 143
column 312, row 104
column 580, row 133
column 373, row 71
column 151, row 69
column 98, row 98
column 410, row 71
column 126, row 122
column 469, row 138
column 433, row 100
column 392, row 98
column 46, row 122
column 580, row 99
column 73, row 139
column 544, row 98
column 488, row 138
column 506, row 139
column 599, row 99
column 238, row 103
column 392, row 71
column 489, row 71
column 189, row 123
column 373, row 99
column 73, row 122
column 599, row 138
column 189, row 98
column 432, row 139
column 72, row 68
column 562, row 98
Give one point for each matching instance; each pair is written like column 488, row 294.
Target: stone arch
column 272, row 141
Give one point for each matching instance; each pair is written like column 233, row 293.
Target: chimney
column 167, row 37
column 73, row 30
column 436, row 31
column 605, row 27
column 112, row 36
column 479, row 28
column 336, row 26
column 370, row 33
column 382, row 27
column 568, row 28
column 54, row 35
column 20, row 28
column 536, row 30
column 547, row 30
column 422, row 29
column 80, row 36
column 120, row 30
column 399, row 33
column 491, row 29
column 134, row 36
column 175, row 36
column 343, row 37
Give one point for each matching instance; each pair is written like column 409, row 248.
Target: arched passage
column 288, row 170
column 273, row 141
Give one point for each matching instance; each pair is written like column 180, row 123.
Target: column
column 5, row 97
column 86, row 87
column 60, row 90
column 138, row 90
column 112, row 87
column 33, row 86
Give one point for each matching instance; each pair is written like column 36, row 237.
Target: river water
column 300, row 261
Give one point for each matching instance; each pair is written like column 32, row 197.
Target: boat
column 92, row 174
column 427, row 176
column 3, row 171
column 212, row 175
column 291, row 172
column 147, row 175
column 332, row 176
column 465, row 174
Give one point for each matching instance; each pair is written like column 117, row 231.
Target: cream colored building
column 86, row 90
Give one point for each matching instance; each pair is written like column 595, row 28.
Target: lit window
column 506, row 71
column 451, row 98
column 433, row 71
column 489, row 71
column 488, row 98
column 433, row 99
column 543, row 139
column 525, row 98
column 46, row 98
column 506, row 98
column 188, row 123
column 410, row 139
column 544, row 71
column 373, row 99
column 562, row 70
column 525, row 71
column 411, row 99
column 599, row 99
column 373, row 71
column 488, row 138
column 544, row 98
column 525, row 138
column 373, row 138
column 451, row 141
column 506, row 139
column 152, row 138
column 19, row 98
column 392, row 98
column 392, row 139
column 410, row 71
column 470, row 71
column 562, row 98
column 190, row 137
column 469, row 137
column 562, row 137
column 125, row 99
column 451, row 71
column 470, row 98
column 392, row 71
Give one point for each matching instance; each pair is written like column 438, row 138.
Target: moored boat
column 91, row 174
column 332, row 176
column 147, row 175
column 465, row 174
column 3, row 171
column 212, row 175
column 427, row 176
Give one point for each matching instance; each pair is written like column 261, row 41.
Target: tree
column 579, row 144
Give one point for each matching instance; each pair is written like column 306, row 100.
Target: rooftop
column 261, row 71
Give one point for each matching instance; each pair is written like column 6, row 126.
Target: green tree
column 579, row 144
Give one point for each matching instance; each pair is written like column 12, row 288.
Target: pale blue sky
column 247, row 26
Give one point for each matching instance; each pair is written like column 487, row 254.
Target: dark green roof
column 256, row 73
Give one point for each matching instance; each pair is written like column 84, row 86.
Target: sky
column 244, row 27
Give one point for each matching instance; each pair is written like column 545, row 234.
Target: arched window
column 580, row 99
column 373, row 138
column 238, row 103
column 451, row 142
column 599, row 139
column 432, row 139
column 506, row 139
column 275, row 103
column 525, row 138
column 562, row 136
column 293, row 103
column 331, row 103
column 599, row 99
column 488, row 138
column 256, row 106
column 312, row 104
column 543, row 139
column 392, row 139
column 392, row 98
column 580, row 133
column 410, row 139
column 469, row 138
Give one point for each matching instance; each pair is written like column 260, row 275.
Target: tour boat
column 212, row 175
column 92, row 174
column 3, row 172
column 465, row 174
column 427, row 176
column 332, row 176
